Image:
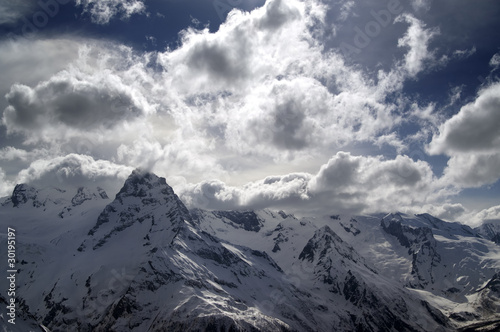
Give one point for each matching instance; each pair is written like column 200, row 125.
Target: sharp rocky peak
column 27, row 195
column 22, row 194
column 324, row 242
column 150, row 189
column 140, row 182
column 144, row 199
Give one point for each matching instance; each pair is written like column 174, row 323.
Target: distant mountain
column 144, row 262
column 490, row 231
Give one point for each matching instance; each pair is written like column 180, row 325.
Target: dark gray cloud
column 72, row 100
column 220, row 61
column 31, row 61
column 277, row 15
column 289, row 132
column 74, row 104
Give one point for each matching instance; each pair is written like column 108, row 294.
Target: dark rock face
column 246, row 219
column 351, row 227
column 324, row 241
column 339, row 267
column 421, row 246
column 490, row 231
column 84, row 194
column 280, row 238
column 489, row 296
column 22, row 194
column 224, row 257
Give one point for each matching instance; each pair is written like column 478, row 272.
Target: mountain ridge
column 145, row 262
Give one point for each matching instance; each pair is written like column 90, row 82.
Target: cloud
column 423, row 5
column 31, row 61
column 458, row 213
column 462, row 54
column 12, row 11
column 236, row 91
column 491, row 214
column 475, row 128
column 102, row 11
column 266, row 91
column 74, row 170
column 372, row 183
column 73, row 99
column 417, row 40
column 495, row 61
column 74, row 103
column 472, row 139
column 472, row 171
column 273, row 191
column 242, row 84
column 447, row 211
column 242, row 52
column 7, row 186
column 350, row 184
column 12, row 153
column 346, row 10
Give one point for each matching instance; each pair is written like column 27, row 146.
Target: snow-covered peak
column 490, row 231
column 327, row 244
column 22, row 194
column 144, row 202
column 144, row 262
column 147, row 189
column 26, row 195
column 85, row 194
column 142, row 184
column 62, row 202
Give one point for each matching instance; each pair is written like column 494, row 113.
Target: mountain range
column 144, row 262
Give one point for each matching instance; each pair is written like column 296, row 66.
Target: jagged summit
column 149, row 189
column 49, row 199
column 144, row 202
column 22, row 194
column 140, row 181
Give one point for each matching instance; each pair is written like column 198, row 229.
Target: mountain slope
column 144, row 262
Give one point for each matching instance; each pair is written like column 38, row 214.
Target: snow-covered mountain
column 144, row 262
column 490, row 231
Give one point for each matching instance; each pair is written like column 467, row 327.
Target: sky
column 310, row 106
